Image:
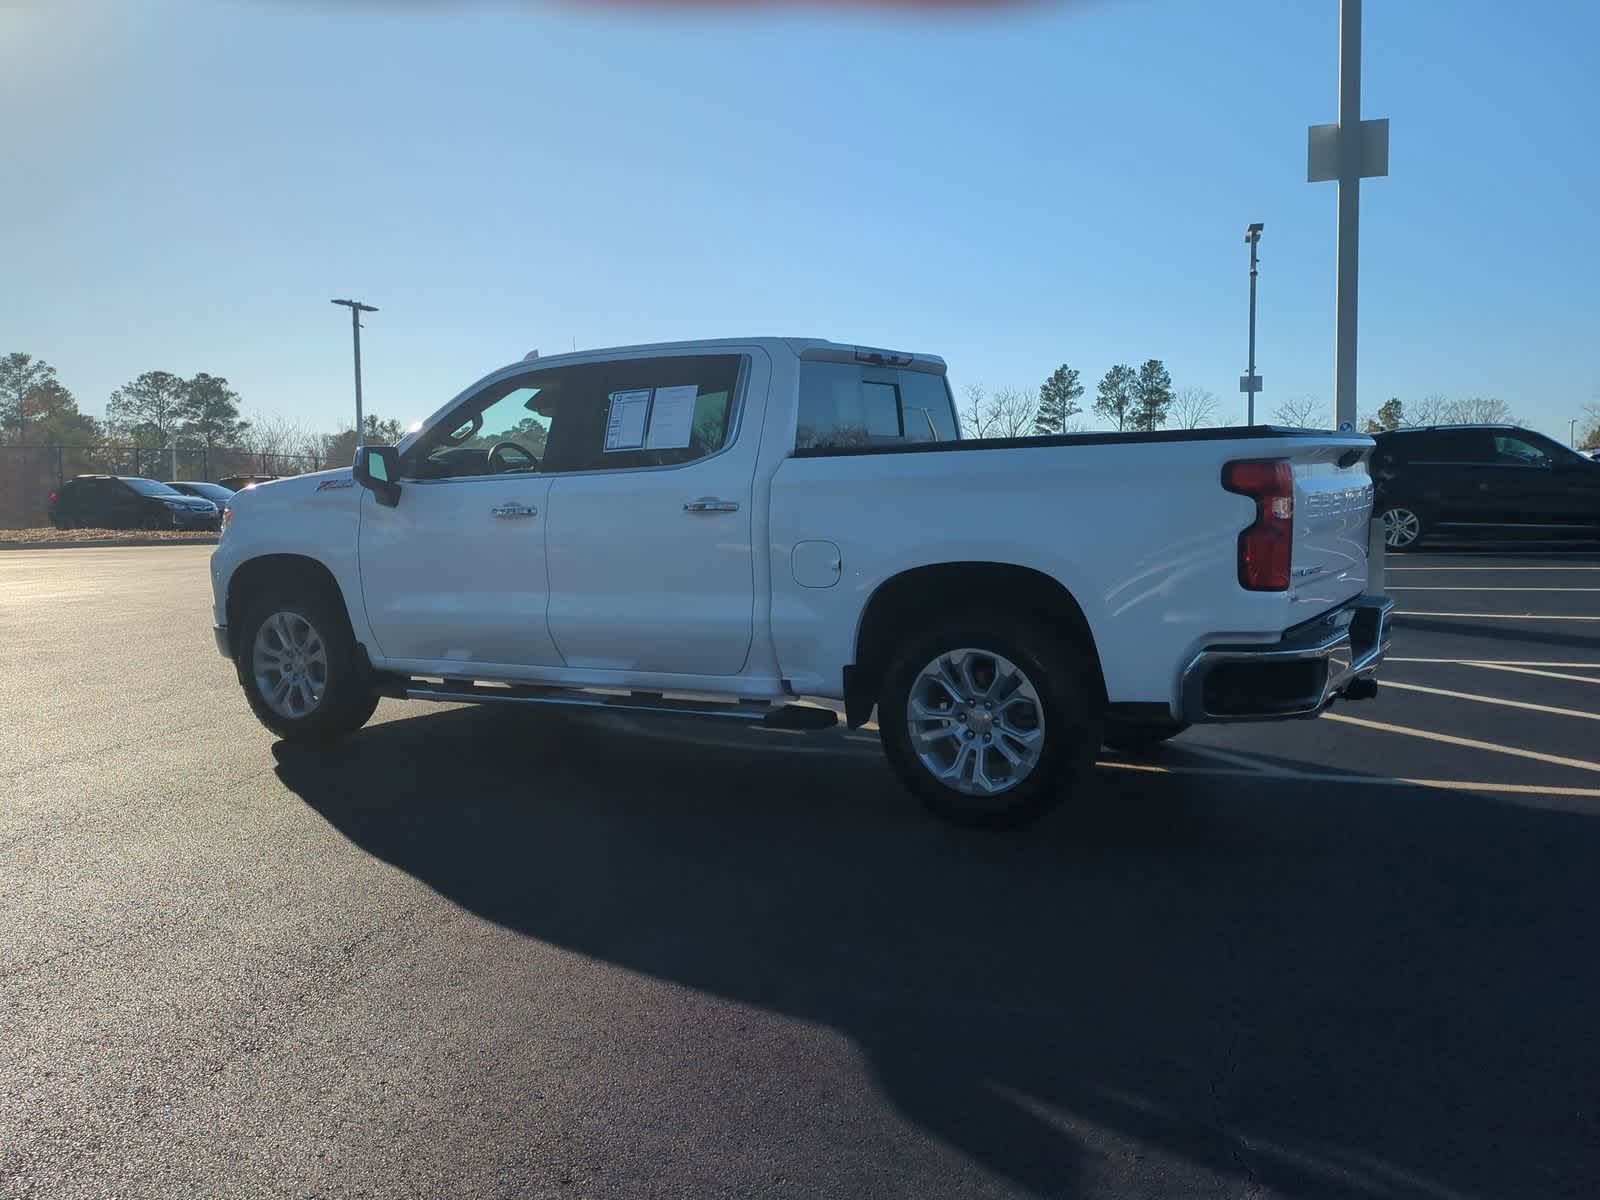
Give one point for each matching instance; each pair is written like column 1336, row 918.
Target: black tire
column 1141, row 739
column 1400, row 507
column 1069, row 694
column 347, row 698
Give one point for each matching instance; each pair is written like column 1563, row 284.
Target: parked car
column 128, row 502
column 237, row 483
column 213, row 492
column 1497, row 481
column 771, row 518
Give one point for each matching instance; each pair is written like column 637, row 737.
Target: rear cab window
column 852, row 406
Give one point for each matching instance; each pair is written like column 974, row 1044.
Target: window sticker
column 625, row 427
column 672, row 417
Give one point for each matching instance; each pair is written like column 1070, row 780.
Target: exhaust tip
column 1362, row 689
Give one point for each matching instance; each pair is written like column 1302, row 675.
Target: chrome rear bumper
column 1298, row 676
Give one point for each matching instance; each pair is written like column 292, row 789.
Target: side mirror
column 376, row 469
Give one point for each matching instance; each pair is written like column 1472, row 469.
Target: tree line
column 158, row 409
column 1132, row 399
column 1437, row 409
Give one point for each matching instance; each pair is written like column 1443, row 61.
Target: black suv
column 1482, row 481
column 123, row 502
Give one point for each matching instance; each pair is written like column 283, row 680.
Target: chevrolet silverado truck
column 723, row 528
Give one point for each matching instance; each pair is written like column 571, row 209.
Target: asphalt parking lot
column 482, row 953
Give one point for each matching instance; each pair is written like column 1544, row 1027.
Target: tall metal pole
column 1253, row 236
column 355, row 338
column 1251, row 416
column 356, row 309
column 1350, row 141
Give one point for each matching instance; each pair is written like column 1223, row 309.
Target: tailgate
column 1332, row 508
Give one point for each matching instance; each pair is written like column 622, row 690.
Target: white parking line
column 1471, row 587
column 1468, row 743
column 1544, row 708
column 1406, row 612
column 1521, row 670
column 1255, row 766
column 1497, row 662
column 1464, row 785
column 1388, row 569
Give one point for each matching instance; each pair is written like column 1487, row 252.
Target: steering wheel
column 495, row 467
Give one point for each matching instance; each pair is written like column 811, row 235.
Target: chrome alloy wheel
column 976, row 721
column 1401, row 527
column 290, row 664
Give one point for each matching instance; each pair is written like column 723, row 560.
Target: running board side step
column 786, row 716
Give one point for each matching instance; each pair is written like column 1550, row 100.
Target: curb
column 109, row 543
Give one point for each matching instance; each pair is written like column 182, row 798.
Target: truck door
column 649, row 539
column 455, row 573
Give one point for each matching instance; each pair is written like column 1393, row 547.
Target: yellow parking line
column 1544, row 708
column 1521, row 789
column 1484, row 616
column 1469, row 743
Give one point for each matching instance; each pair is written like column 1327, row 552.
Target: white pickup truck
column 722, row 527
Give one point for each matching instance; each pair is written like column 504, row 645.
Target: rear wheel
column 301, row 670
column 990, row 721
column 1403, row 527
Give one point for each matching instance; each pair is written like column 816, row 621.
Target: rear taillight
column 52, row 497
column 1264, row 547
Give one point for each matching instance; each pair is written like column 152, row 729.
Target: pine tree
column 1152, row 396
column 1114, row 395
column 1058, row 400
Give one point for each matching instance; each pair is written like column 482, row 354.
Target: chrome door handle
column 507, row 512
column 711, row 504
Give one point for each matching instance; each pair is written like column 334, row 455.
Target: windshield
column 211, row 491
column 149, row 487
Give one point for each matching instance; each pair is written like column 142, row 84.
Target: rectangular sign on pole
column 1249, row 383
column 1323, row 151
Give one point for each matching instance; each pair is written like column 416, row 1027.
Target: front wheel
column 301, row 670
column 989, row 721
column 1402, row 527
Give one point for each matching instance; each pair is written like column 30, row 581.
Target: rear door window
column 1455, row 446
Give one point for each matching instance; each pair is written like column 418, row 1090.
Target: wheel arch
column 259, row 575
column 910, row 598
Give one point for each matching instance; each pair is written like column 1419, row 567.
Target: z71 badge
column 329, row 485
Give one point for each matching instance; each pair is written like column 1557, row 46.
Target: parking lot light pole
column 1250, row 384
column 356, row 309
column 1348, row 151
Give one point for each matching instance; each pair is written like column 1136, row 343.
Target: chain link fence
column 29, row 473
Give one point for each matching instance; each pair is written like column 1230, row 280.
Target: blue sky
column 186, row 185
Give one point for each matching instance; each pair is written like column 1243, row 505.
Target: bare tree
column 272, row 433
column 1013, row 412
column 1301, row 412
column 1430, row 410
column 1589, row 428
column 977, row 418
column 1193, row 407
column 1478, row 410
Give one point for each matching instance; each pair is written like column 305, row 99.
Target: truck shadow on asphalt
column 1368, row 991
